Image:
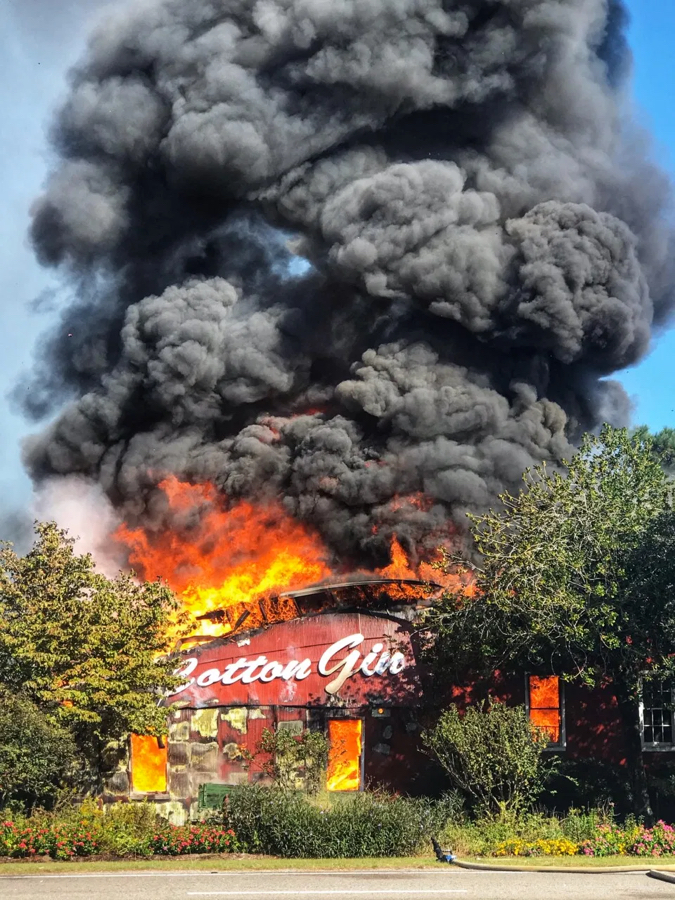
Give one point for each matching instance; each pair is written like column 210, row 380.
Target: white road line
column 194, row 874
column 341, row 893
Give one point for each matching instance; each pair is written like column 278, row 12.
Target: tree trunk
column 628, row 709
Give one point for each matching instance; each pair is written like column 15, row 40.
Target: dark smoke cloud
column 485, row 232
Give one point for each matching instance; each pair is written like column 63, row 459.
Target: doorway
column 345, row 754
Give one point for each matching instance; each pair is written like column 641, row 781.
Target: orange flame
column 148, row 764
column 225, row 556
column 545, row 704
column 400, row 567
column 344, row 757
column 220, row 556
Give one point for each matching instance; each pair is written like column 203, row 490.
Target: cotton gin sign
column 354, row 657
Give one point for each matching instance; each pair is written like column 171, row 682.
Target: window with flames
column 345, row 754
column 148, row 764
column 545, row 706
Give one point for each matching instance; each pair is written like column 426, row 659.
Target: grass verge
column 225, row 863
column 243, row 863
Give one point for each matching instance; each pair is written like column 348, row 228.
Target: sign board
column 352, row 658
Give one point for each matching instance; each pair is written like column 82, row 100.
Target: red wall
column 394, row 705
column 305, row 641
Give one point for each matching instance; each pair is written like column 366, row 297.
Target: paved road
column 400, row 885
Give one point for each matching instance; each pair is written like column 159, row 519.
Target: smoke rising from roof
column 486, row 239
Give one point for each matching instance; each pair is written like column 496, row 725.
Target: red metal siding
column 305, row 641
column 388, row 702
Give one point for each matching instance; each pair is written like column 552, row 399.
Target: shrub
column 485, row 835
column 178, row 840
column 518, row 847
column 126, row 829
column 37, row 757
column 60, row 841
column 612, row 839
column 589, row 833
column 581, row 825
column 656, row 841
column 492, row 754
column 293, row 761
column 289, row 824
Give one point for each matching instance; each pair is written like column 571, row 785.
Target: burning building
column 341, row 659
column 267, row 652
column 345, row 270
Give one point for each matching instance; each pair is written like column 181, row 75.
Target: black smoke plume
column 484, row 234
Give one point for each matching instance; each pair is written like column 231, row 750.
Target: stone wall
column 216, row 745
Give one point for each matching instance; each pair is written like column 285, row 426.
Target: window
column 545, row 707
column 656, row 715
column 148, row 764
column 344, row 754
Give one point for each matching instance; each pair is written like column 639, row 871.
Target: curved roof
column 359, row 593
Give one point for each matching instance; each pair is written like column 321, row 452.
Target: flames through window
column 344, row 755
column 148, row 764
column 545, row 706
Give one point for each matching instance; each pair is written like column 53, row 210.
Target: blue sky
column 39, row 39
column 650, row 384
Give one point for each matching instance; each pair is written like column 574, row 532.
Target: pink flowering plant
column 64, row 840
column 656, row 841
column 611, row 840
column 178, row 840
column 60, row 841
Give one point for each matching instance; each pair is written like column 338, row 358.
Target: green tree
column 37, row 757
column 493, row 754
column 663, row 446
column 556, row 588
column 89, row 651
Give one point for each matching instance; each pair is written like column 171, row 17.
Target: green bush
column 293, row 761
column 37, row 758
column 581, row 825
column 128, row 829
column 493, row 754
column 485, row 835
column 289, row 824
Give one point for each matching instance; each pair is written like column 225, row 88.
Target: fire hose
column 447, row 856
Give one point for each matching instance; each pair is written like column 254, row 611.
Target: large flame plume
column 217, row 554
column 226, row 555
